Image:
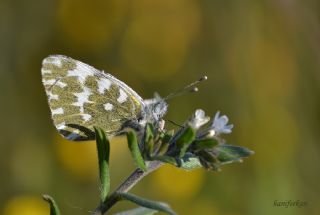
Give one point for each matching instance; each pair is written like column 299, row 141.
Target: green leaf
column 163, row 148
column 159, row 206
column 138, row 211
column 205, row 144
column 167, row 136
column 209, row 160
column 229, row 153
column 165, row 159
column 190, row 162
column 103, row 148
column 185, row 139
column 54, row 210
column 208, row 156
column 135, row 151
column 149, row 132
column 148, row 140
column 164, row 143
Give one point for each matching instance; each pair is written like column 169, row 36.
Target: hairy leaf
column 205, row 144
column 185, row 139
column 103, row 148
column 159, row 206
column 190, row 162
column 135, row 151
column 229, row 153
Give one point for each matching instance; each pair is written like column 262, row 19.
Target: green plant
column 193, row 145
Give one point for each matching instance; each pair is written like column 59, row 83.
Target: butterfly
column 81, row 97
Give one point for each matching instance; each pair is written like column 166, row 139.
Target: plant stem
column 129, row 183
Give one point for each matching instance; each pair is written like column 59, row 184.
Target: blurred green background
column 263, row 63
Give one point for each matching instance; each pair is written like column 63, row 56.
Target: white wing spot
column 108, row 106
column 61, row 126
column 57, row 111
column 53, row 60
column 81, row 71
column 86, row 117
column 46, row 71
column 51, row 82
column 82, row 97
column 52, row 96
column 123, row 96
column 61, row 84
column 103, row 84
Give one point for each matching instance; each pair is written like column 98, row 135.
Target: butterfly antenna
column 189, row 88
column 174, row 123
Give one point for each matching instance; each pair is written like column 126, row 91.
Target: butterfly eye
column 140, row 119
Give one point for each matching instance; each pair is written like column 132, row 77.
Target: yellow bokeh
column 90, row 24
column 26, row 205
column 177, row 183
column 268, row 80
column 158, row 36
column 80, row 160
column 202, row 206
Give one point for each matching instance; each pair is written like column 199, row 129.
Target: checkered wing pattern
column 81, row 97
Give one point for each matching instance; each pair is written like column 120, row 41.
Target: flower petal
column 219, row 124
column 199, row 119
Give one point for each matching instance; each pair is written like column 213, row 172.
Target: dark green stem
column 54, row 210
column 129, row 183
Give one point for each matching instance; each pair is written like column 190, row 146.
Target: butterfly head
column 154, row 110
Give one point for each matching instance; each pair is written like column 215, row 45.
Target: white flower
column 199, row 119
column 219, row 124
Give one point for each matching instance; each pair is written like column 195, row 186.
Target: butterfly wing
column 81, row 97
